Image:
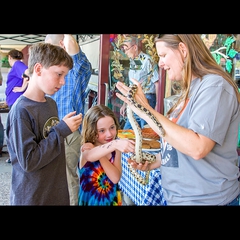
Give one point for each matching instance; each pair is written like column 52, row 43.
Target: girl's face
column 107, row 130
column 170, row 60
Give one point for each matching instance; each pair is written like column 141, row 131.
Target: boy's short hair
column 48, row 55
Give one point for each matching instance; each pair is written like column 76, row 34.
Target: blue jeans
column 152, row 99
column 234, row 202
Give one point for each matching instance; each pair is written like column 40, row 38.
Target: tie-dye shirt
column 96, row 189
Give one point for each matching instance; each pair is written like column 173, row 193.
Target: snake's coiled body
column 140, row 156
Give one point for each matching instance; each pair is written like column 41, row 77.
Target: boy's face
column 53, row 78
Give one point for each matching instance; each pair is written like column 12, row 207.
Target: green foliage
column 228, row 65
column 5, row 62
column 232, row 53
column 217, row 57
column 228, row 43
column 226, row 52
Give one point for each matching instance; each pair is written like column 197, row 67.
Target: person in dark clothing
column 35, row 135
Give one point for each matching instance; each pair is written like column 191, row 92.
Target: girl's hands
column 124, row 145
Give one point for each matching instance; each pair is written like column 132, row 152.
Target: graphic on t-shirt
column 49, row 124
column 169, row 155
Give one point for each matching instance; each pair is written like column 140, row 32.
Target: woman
column 14, row 77
column 198, row 158
column 26, row 79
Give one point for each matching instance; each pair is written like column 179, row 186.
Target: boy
column 35, row 135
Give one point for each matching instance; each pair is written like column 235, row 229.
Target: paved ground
column 5, row 179
column 5, row 168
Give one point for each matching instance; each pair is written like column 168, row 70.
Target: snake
column 140, row 156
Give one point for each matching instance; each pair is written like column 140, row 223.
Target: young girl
column 100, row 166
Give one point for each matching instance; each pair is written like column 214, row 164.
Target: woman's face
column 10, row 60
column 170, row 60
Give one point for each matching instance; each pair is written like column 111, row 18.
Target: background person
column 198, row 151
column 71, row 97
column 144, row 70
column 35, row 135
column 26, row 78
column 100, row 166
column 14, row 76
column 1, row 125
column 1, row 77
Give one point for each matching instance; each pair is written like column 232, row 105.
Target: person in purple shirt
column 14, row 77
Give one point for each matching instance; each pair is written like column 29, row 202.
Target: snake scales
column 140, row 156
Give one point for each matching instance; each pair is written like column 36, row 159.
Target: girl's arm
column 112, row 170
column 96, row 153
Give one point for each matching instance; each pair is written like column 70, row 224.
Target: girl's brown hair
column 89, row 125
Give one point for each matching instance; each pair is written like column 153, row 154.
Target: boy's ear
column 38, row 69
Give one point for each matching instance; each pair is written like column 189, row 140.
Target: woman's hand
column 147, row 165
column 139, row 96
column 123, row 110
column 140, row 166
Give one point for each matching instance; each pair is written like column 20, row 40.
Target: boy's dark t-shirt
column 35, row 140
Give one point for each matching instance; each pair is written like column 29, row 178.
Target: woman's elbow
column 200, row 154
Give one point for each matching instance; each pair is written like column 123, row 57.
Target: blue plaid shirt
column 71, row 96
